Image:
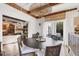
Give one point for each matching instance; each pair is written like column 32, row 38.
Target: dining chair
column 25, row 50
column 51, row 51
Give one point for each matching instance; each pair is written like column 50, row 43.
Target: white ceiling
column 64, row 6
column 30, row 6
column 25, row 5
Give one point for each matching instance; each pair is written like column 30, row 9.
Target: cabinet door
column 77, row 46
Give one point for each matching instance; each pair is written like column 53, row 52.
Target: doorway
column 59, row 28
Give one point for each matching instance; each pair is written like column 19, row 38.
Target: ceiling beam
column 20, row 9
column 13, row 18
column 52, row 4
column 59, row 16
column 58, row 12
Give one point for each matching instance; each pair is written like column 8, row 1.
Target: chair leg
column 34, row 54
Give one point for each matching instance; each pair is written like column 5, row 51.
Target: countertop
column 10, row 38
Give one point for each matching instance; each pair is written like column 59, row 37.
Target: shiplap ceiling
column 31, row 6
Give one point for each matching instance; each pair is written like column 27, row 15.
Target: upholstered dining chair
column 25, row 50
column 51, row 51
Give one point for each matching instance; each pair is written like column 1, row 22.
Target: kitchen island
column 10, row 45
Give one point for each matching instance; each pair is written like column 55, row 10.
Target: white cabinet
column 73, row 43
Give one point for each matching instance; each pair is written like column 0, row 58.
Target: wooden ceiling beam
column 52, row 4
column 59, row 16
column 58, row 12
column 20, row 9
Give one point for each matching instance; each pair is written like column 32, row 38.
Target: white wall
column 0, row 27
column 9, row 11
column 54, row 23
column 33, row 28
column 39, row 27
column 45, row 28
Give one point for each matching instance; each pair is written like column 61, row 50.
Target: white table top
column 51, row 42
